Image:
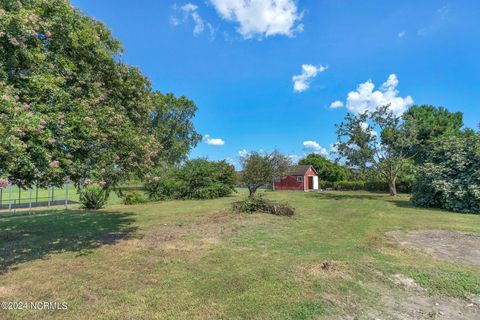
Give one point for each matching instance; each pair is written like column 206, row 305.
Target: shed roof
column 300, row 170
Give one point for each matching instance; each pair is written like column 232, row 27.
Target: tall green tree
column 430, row 124
column 70, row 107
column 261, row 169
column 173, row 128
column 327, row 170
column 376, row 140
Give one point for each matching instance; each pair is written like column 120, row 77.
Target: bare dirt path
column 447, row 245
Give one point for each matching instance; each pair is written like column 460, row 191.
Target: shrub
column 376, row 185
column 349, row 185
column 134, row 197
column 260, row 204
column 195, row 179
column 325, row 184
column 93, row 197
column 162, row 188
column 450, row 178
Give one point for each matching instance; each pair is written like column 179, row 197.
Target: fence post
column 10, row 198
column 67, row 182
column 48, row 196
column 30, row 204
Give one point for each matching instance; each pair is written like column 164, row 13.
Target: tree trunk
column 392, row 187
column 251, row 191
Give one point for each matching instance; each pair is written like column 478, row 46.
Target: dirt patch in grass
column 325, row 269
column 447, row 245
column 408, row 283
column 202, row 234
column 410, row 304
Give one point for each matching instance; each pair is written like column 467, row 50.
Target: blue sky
column 236, row 59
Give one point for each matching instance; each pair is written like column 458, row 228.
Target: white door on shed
column 315, row 183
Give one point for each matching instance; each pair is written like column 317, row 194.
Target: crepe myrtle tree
column 259, row 169
column 69, row 106
column 376, row 140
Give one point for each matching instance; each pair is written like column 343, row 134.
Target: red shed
column 299, row 178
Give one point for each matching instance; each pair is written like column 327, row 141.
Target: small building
column 299, row 178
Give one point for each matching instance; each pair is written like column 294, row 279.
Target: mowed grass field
column 198, row 260
column 39, row 197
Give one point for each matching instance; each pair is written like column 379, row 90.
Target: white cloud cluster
column 294, row 158
column 301, row 82
column 191, row 10
column 216, row 142
column 401, row 34
column 365, row 98
column 315, row 147
column 336, row 104
column 261, row 18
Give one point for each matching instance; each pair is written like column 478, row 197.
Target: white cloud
column 294, row 158
column 243, row 153
column 174, row 21
column 334, row 148
column 366, row 99
column 191, row 10
column 301, row 82
column 261, row 18
column 365, row 126
column 401, row 34
column 216, row 142
column 336, row 104
column 199, row 25
column 315, row 147
column 189, row 7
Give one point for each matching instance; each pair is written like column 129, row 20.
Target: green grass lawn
column 197, row 260
column 57, row 195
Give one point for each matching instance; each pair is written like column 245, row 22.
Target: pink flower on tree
column 42, row 124
column 54, row 164
column 87, row 182
column 102, row 183
column 4, row 183
column 14, row 42
column 26, row 106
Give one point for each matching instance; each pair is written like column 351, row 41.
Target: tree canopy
column 172, row 127
column 429, row 124
column 385, row 151
column 327, row 170
column 70, row 107
column 261, row 169
column 450, row 176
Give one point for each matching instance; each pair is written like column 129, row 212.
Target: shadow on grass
column 348, row 195
column 402, row 202
column 27, row 238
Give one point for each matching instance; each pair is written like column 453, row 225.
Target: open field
column 345, row 255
